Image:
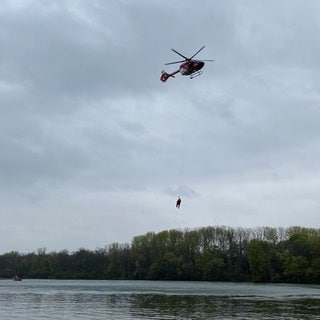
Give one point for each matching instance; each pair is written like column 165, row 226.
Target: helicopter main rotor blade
column 207, row 60
column 197, row 52
column 174, row 62
column 181, row 55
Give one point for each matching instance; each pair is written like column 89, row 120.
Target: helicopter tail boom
column 165, row 76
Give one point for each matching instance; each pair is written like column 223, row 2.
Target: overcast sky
column 95, row 149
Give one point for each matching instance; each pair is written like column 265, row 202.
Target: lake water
column 63, row 299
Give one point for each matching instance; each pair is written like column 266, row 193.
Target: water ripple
column 93, row 300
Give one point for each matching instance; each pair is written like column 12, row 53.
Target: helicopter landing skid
column 196, row 74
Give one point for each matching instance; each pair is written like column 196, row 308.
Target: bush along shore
column 214, row 253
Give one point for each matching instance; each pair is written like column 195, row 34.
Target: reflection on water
column 201, row 307
column 40, row 299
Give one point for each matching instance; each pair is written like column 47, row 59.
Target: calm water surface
column 54, row 299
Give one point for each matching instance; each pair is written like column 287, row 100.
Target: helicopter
column 188, row 67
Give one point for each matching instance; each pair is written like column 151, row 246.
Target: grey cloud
column 89, row 136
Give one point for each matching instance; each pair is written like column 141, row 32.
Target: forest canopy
column 214, row 253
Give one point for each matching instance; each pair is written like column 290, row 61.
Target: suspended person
column 178, row 203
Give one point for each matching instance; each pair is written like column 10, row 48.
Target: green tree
column 259, row 259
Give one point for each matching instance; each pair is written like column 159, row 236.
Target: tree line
column 214, row 253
